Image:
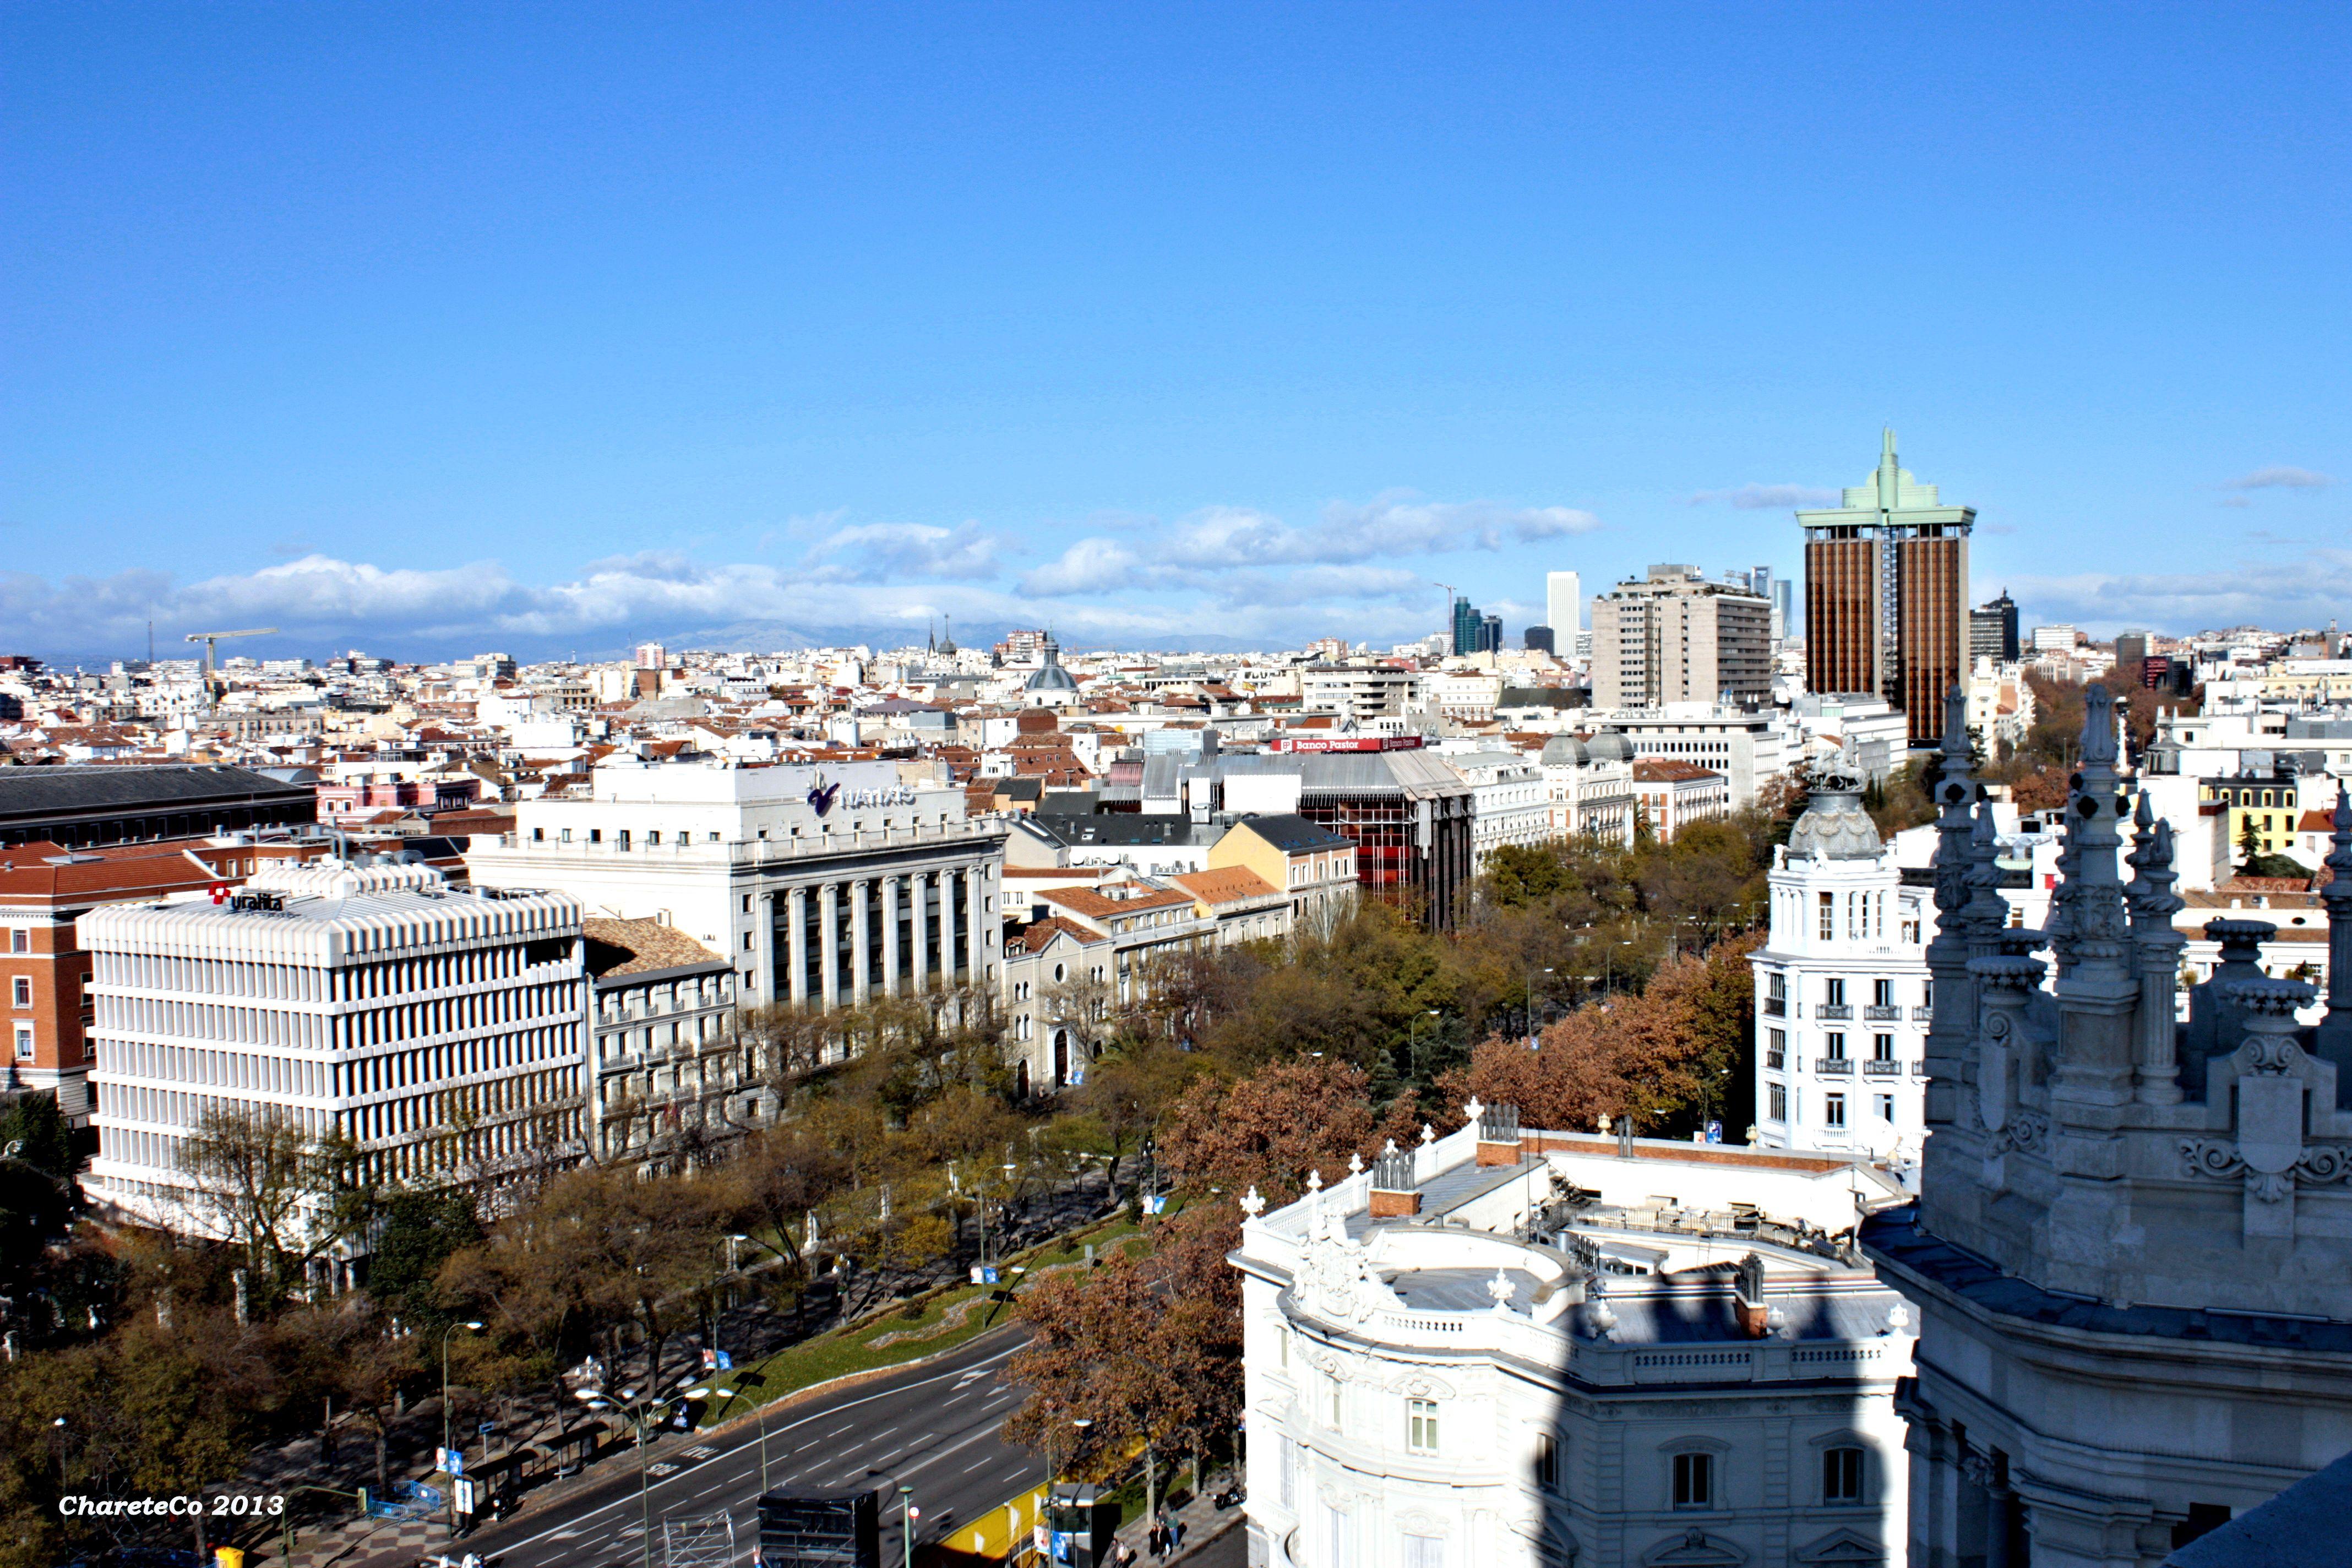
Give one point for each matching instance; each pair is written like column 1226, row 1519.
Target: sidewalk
column 1200, row 1521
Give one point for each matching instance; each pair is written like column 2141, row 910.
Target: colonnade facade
column 838, row 942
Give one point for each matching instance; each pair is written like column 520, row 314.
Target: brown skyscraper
column 1886, row 590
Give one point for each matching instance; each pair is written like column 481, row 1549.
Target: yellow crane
column 211, row 693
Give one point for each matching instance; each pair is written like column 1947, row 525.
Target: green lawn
column 841, row 1351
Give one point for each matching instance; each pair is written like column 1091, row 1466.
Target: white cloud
column 894, row 551
column 1758, row 498
column 2281, row 478
column 1209, row 549
column 2285, row 594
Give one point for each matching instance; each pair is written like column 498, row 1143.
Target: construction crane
column 212, row 695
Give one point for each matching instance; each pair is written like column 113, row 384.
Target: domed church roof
column 1833, row 826
column 1050, row 676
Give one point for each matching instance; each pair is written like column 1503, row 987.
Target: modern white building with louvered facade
column 439, row 1028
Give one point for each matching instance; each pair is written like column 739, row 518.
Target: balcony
column 1835, row 1010
column 1878, row 1014
column 1776, row 1006
column 1887, row 1067
column 1922, row 1015
column 1836, row 1067
column 1775, row 1061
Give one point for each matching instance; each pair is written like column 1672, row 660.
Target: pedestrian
column 1176, row 1543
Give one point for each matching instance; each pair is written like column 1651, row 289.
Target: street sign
column 1155, row 1203
column 465, row 1494
column 985, row 1274
column 1714, row 1131
column 449, row 1461
column 726, row 1362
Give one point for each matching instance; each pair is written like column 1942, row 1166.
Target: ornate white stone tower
column 2134, row 1270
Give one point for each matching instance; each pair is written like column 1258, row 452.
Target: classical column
column 828, row 941
column 796, row 944
column 947, row 929
column 975, row 917
column 890, row 936
column 761, row 982
column 859, row 937
column 918, row 891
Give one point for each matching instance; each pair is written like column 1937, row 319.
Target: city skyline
column 430, row 333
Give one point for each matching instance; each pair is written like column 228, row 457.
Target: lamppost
column 1531, row 1006
column 636, row 1409
column 1412, row 1040
column 449, row 1457
column 907, row 1514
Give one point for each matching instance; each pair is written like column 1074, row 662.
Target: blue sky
column 431, row 327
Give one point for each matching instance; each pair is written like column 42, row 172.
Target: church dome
column 1050, row 676
column 1563, row 750
column 1833, row 826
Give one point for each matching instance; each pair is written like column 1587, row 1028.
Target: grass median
column 944, row 1320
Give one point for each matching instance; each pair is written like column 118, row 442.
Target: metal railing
column 1883, row 1014
column 1839, row 1067
column 1834, row 1010
column 1878, row 1067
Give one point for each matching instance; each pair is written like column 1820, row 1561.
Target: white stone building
column 1510, row 802
column 1842, row 985
column 2131, row 1242
column 439, row 1028
column 1512, row 1348
column 1589, row 785
column 822, row 885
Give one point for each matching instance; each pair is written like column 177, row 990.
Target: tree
column 415, row 1234
column 33, row 1130
column 1271, row 1128
column 780, row 1176
column 278, row 1195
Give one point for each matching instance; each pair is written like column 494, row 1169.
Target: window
column 1841, row 1475
column 1425, row 1551
column 23, row 1042
column 1881, row 993
column 1885, row 1107
column 1694, row 1480
column 1881, row 1047
column 1836, row 1046
column 747, row 903
column 1828, row 927
column 653, row 837
column 1776, row 1101
column 1776, row 1048
column 1338, row 1405
column 1833, row 1110
column 1421, row 1425
column 1546, row 1462
column 1836, row 998
column 1776, row 985
column 20, row 940
column 23, row 988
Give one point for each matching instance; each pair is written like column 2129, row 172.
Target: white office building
column 1508, row 801
column 1509, row 1349
column 1564, row 608
column 1842, row 997
column 439, row 1028
column 823, row 885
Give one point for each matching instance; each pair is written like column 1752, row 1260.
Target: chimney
column 1498, row 1135
column 1394, row 1194
column 1747, row 1298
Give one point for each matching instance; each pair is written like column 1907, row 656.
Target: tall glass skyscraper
column 1886, row 585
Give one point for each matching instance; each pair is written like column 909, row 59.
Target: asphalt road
column 931, row 1427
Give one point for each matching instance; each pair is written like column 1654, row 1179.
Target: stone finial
column 1986, row 911
column 1390, row 1147
column 1428, row 1134
column 1251, row 1205
column 1355, row 1165
column 1499, row 1289
column 1604, row 1121
column 1471, row 1112
column 1313, row 1181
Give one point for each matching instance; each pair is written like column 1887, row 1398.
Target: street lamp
column 1412, row 1040
column 907, row 1514
column 1531, row 1005
column 448, row 1456
column 637, row 1410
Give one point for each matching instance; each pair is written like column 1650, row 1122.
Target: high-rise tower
column 1886, row 585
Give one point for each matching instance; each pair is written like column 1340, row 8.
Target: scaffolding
column 702, row 1540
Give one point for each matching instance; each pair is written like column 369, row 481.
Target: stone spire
column 1985, row 912
column 2098, row 991
column 2333, row 1041
column 2158, row 944
column 1953, row 1020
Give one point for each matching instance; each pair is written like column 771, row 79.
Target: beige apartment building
column 1674, row 637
